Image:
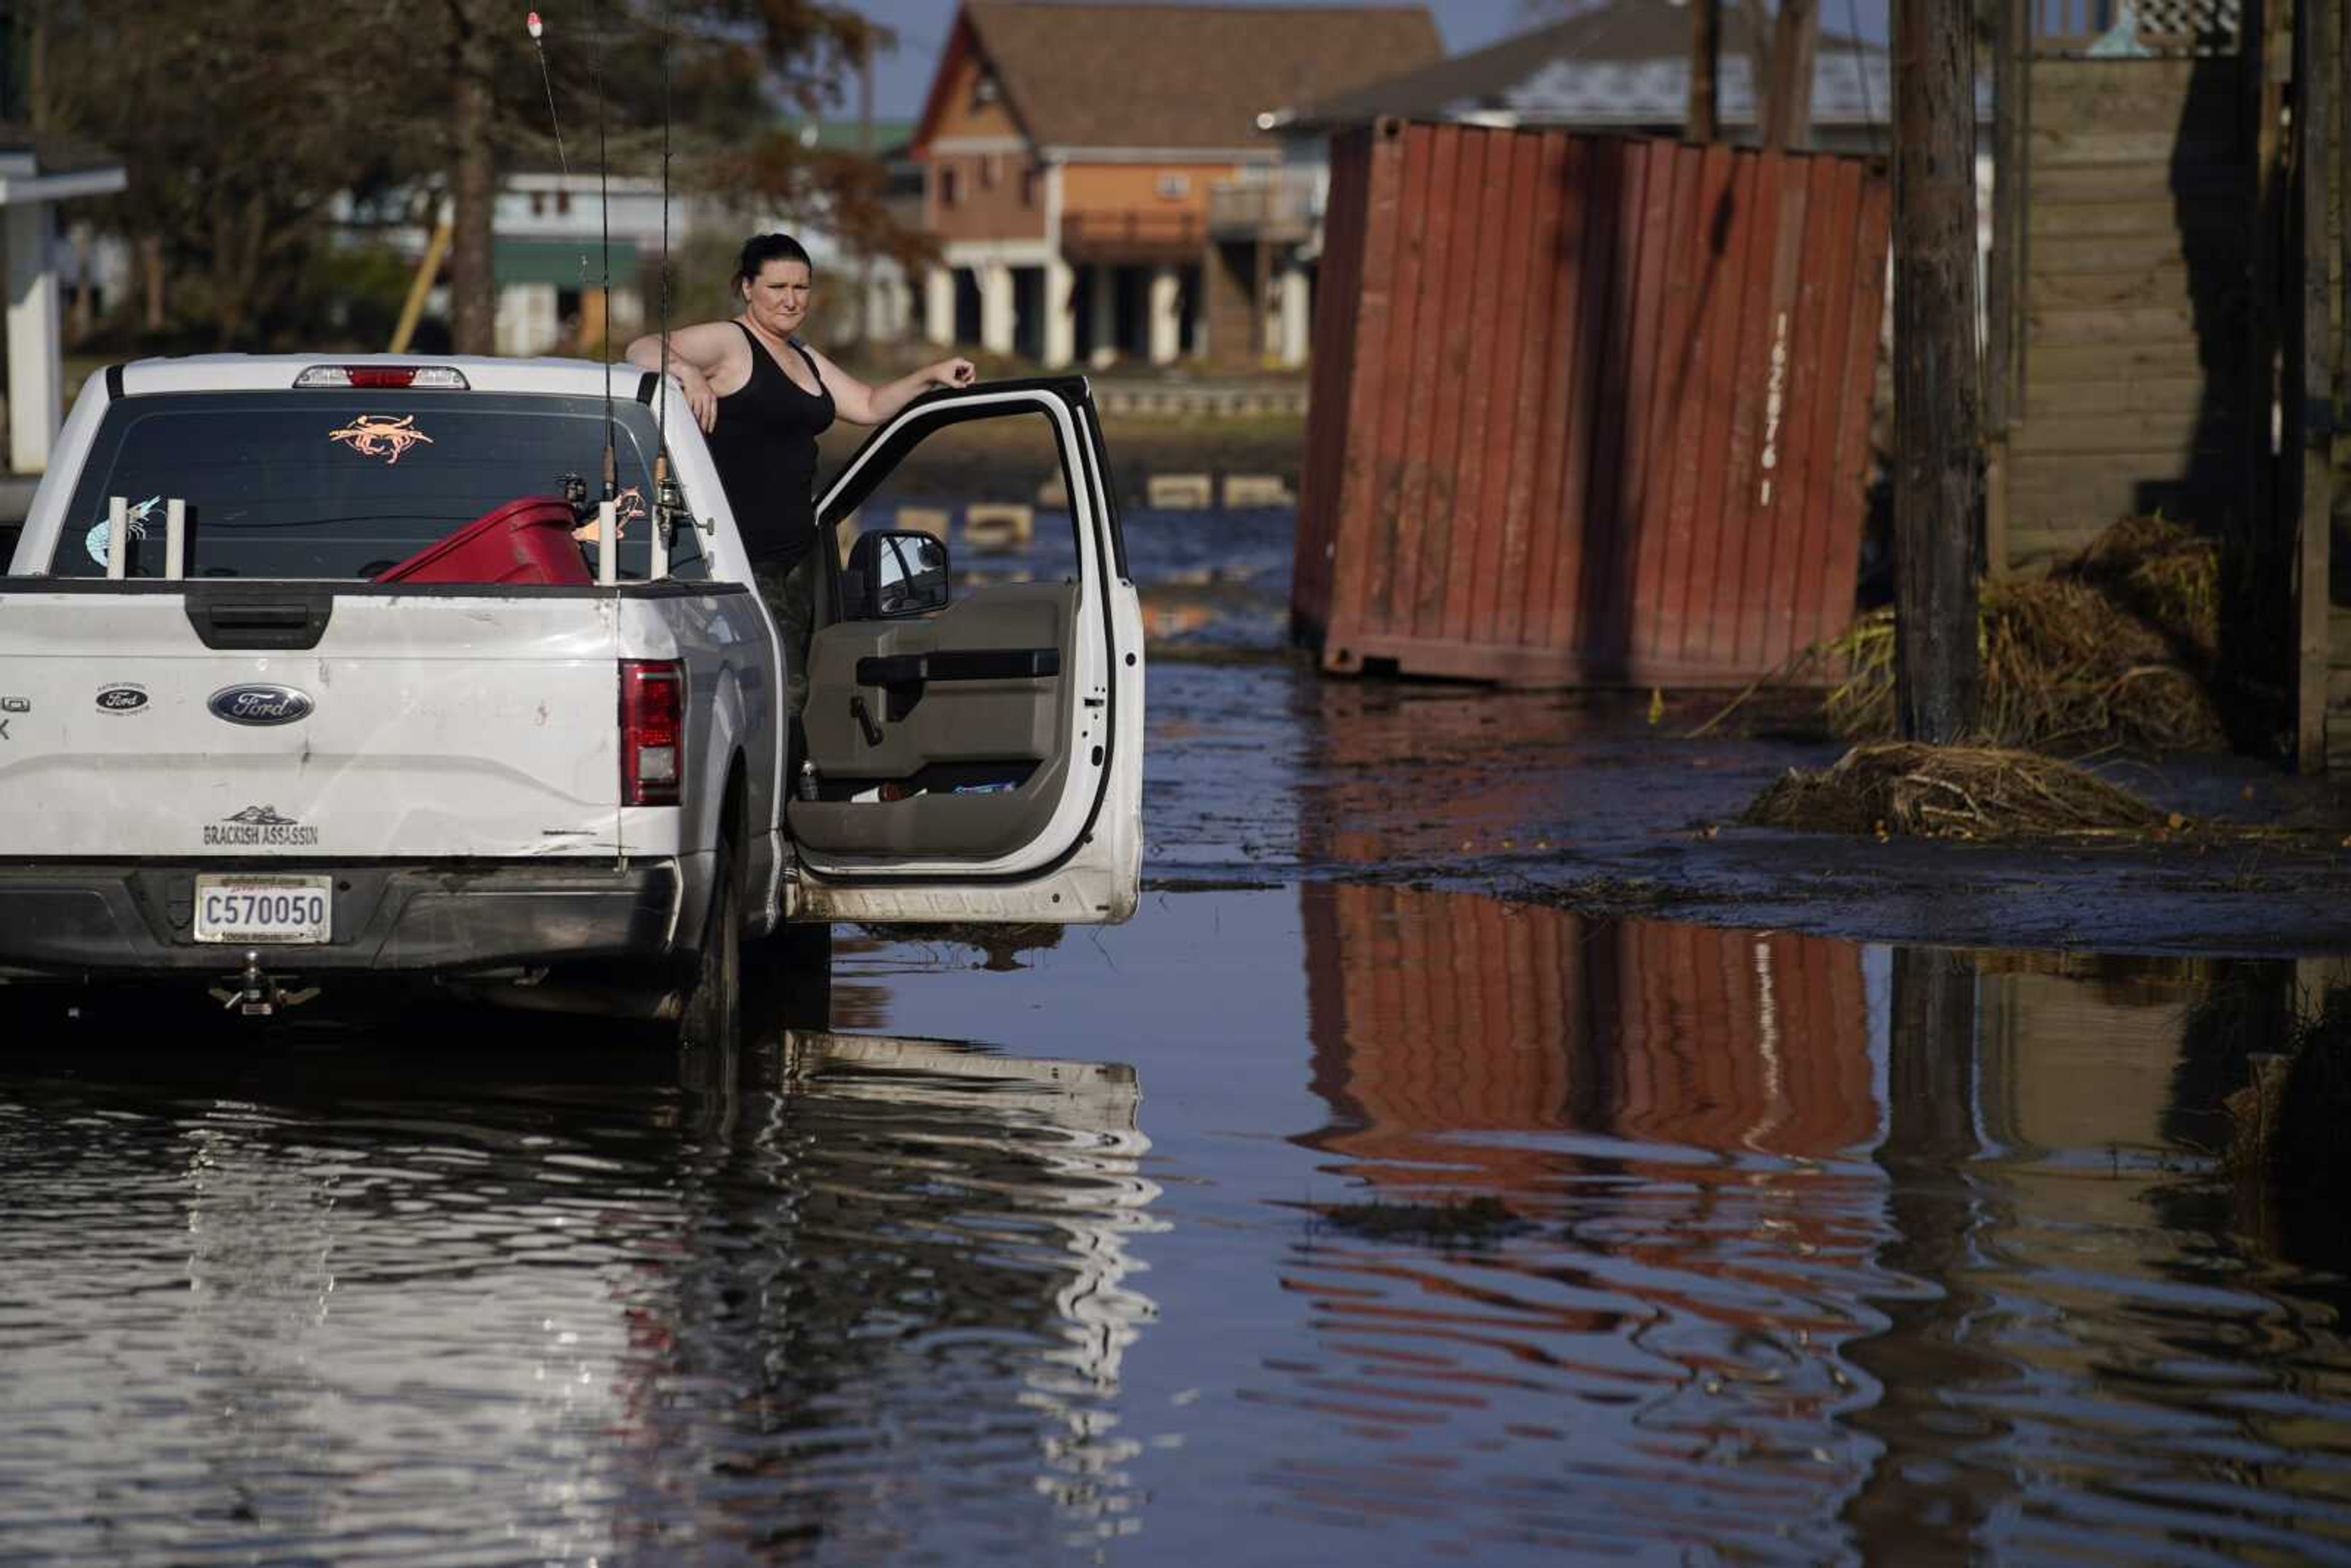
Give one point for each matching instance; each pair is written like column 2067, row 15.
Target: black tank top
column 765, row 446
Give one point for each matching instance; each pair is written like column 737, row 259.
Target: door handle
column 234, row 622
column 864, row 718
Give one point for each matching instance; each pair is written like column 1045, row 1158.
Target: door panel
column 968, row 707
column 982, row 763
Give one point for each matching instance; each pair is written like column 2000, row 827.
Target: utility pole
column 1706, row 71
column 1937, row 481
column 2319, row 82
column 1787, row 108
column 2003, row 347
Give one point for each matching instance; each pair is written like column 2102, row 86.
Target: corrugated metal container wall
column 1587, row 408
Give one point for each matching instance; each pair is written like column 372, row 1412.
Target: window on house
column 950, row 187
column 539, row 203
column 1174, row 187
column 989, row 165
column 562, row 201
column 1033, row 183
column 983, row 89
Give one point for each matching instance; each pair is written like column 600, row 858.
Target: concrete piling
column 999, row 525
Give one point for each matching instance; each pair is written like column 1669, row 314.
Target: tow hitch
column 257, row 994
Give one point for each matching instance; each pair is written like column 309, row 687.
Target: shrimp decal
column 134, row 526
column 381, row 435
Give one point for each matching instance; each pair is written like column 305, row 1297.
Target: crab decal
column 381, row 435
column 628, row 506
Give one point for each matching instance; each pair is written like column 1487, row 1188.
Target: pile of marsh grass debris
column 1952, row 792
column 2116, row 648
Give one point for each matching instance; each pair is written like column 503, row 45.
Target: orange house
column 1102, row 185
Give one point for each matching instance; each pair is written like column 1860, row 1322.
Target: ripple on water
column 1507, row 1235
column 887, row 1275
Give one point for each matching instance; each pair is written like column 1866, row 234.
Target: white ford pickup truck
column 303, row 673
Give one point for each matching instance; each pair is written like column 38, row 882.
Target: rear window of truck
column 342, row 485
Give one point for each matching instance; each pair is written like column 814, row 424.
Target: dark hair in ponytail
column 761, row 250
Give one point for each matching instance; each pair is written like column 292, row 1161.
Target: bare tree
column 1785, row 109
column 1779, row 49
column 1756, row 15
column 1705, row 71
column 473, row 177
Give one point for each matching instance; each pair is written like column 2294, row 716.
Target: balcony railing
column 1282, row 204
column 1141, row 235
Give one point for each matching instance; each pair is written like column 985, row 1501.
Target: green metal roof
column 556, row 261
column 844, row 136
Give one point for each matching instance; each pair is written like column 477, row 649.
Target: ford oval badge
column 259, row 704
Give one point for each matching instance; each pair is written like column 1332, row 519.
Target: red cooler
column 528, row 540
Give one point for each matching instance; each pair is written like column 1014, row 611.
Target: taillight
column 652, row 731
column 422, row 378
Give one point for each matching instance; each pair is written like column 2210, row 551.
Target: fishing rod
column 604, row 217
column 608, row 540
column 669, row 502
column 537, row 42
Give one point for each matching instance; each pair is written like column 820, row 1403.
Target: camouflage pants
column 790, row 595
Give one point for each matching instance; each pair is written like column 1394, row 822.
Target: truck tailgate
column 418, row 726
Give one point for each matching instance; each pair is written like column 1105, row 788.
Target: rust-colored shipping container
column 1587, row 409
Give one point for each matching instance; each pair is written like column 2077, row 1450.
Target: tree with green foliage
column 240, row 129
column 251, row 130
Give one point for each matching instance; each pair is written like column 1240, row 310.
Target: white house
column 550, row 258
column 37, row 172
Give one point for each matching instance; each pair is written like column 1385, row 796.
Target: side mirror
column 895, row 573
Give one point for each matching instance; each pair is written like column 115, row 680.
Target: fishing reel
column 575, row 496
column 670, row 509
column 669, row 503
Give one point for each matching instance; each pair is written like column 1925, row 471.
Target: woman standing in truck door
column 763, row 397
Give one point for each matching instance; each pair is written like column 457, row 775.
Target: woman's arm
column 697, row 356
column 862, row 404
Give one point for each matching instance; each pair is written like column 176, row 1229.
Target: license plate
column 275, row 909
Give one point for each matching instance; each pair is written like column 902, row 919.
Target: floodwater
column 1360, row 1200
column 1215, row 581
column 1314, row 1222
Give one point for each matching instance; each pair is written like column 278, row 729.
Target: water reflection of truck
column 303, row 673
column 908, row 1284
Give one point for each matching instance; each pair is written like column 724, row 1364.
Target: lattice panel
column 2202, row 21
column 2155, row 26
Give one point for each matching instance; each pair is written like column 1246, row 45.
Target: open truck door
column 973, row 749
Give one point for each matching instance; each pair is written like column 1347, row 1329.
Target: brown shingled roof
column 1186, row 75
column 1620, row 61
